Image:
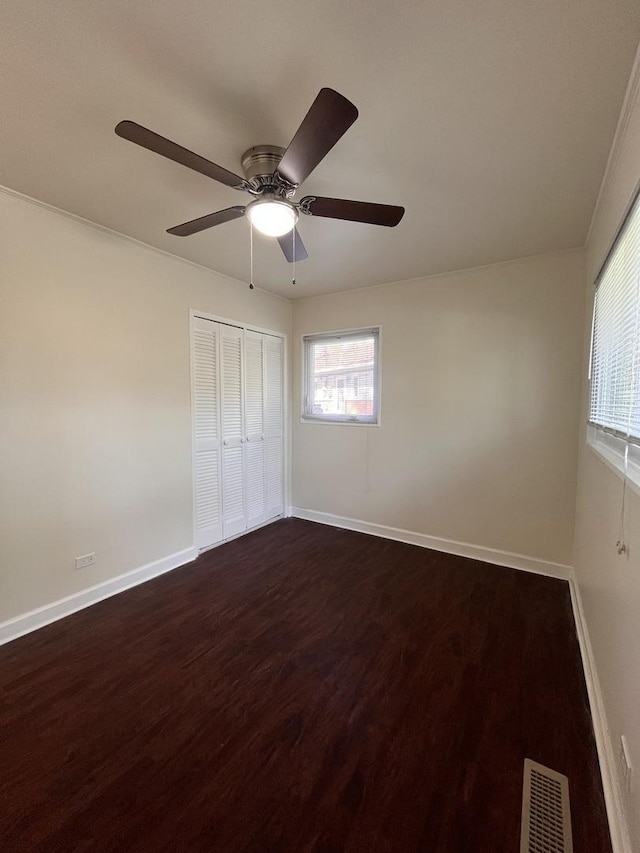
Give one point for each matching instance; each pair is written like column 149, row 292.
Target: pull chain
column 293, row 279
column 250, row 255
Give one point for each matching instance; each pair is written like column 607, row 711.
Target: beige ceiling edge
column 510, row 262
column 88, row 223
column 631, row 96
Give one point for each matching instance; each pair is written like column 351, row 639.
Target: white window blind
column 615, row 352
column 341, row 377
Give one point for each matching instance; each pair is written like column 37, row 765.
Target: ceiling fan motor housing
column 261, row 160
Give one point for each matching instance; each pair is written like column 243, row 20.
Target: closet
column 237, row 411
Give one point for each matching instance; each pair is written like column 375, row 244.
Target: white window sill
column 327, row 422
column 611, row 451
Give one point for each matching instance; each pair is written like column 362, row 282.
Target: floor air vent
column 546, row 818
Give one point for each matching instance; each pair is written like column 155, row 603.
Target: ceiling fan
column 272, row 176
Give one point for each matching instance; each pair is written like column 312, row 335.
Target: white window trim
column 319, row 421
column 619, row 454
column 611, row 450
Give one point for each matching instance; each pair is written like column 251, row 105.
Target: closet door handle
column 242, row 441
column 226, row 442
column 261, row 438
column 248, row 439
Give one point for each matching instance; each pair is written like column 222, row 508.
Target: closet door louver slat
column 274, row 423
column 233, row 505
column 238, row 429
column 208, row 497
column 254, row 416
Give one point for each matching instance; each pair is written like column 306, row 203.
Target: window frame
column 306, row 377
column 619, row 452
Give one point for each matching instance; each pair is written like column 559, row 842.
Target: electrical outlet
column 625, row 762
column 86, row 560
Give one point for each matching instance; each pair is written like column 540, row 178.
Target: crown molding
column 89, row 223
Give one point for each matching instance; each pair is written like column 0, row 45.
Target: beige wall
column 95, row 442
column 610, row 584
column 480, row 403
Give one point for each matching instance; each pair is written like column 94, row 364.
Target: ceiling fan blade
column 208, row 221
column 355, row 211
column 286, row 244
column 330, row 116
column 158, row 144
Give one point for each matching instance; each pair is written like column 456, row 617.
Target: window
column 341, row 377
column 614, row 412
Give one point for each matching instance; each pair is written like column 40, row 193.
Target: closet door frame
column 286, row 474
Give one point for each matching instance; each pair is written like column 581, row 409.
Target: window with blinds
column 341, row 372
column 615, row 351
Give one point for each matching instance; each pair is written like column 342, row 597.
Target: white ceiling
column 489, row 120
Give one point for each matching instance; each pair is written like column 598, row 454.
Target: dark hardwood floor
column 300, row 689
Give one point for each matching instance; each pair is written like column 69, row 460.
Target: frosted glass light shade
column 273, row 218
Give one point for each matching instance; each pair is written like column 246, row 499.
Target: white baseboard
column 41, row 616
column 460, row 549
column 620, row 840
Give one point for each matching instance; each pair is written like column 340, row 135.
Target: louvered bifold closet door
column 254, row 427
column 206, row 420
column 232, row 418
column 274, row 424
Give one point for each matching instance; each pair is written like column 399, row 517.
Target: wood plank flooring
column 299, row 689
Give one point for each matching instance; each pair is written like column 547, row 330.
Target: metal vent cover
column 546, row 817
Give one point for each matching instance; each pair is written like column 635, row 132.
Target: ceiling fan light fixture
column 272, row 217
